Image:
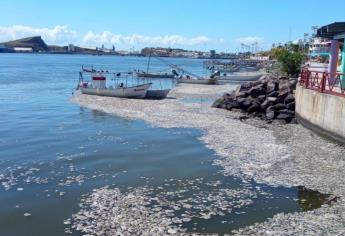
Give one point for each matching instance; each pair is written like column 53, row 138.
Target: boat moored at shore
column 190, row 80
column 98, row 86
column 144, row 74
column 138, row 91
column 242, row 76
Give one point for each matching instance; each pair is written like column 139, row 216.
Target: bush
column 291, row 62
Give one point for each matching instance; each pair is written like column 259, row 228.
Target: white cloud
column 250, row 40
column 107, row 37
column 57, row 34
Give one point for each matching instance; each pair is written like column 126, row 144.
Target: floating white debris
column 114, row 210
column 286, row 155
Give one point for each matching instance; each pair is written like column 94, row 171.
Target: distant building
column 113, row 48
column 23, row 49
column 71, row 48
column 258, row 57
column 213, row 54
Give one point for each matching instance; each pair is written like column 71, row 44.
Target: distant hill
column 36, row 43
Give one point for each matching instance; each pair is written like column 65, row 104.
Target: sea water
column 52, row 151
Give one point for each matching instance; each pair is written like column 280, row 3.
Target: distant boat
column 144, row 74
column 248, row 68
column 156, row 94
column 242, row 76
column 148, row 74
column 225, row 68
column 190, row 80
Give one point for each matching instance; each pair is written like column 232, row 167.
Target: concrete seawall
column 323, row 113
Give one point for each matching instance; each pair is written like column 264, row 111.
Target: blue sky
column 203, row 25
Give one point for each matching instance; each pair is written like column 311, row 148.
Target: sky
column 222, row 25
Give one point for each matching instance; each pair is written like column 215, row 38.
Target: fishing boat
column 144, row 74
column 198, row 80
column 98, row 87
column 242, row 76
column 148, row 74
column 225, row 68
column 156, row 94
column 248, row 68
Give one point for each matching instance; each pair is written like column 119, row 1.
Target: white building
column 23, row 49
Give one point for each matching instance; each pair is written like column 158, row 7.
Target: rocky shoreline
column 268, row 98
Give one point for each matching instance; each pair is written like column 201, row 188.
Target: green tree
column 275, row 52
column 291, row 62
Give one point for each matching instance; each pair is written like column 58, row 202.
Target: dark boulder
column 273, row 94
column 286, row 111
column 267, row 98
column 282, row 95
column 279, row 106
column 257, row 91
column 272, row 86
column 232, row 105
column 291, row 106
column 245, row 104
column 242, row 94
column 270, row 113
column 255, row 107
column 264, row 105
column 286, row 115
column 261, row 98
column 289, row 98
column 270, row 101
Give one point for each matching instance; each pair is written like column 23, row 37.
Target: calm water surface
column 45, row 141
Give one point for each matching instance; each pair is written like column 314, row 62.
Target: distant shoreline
column 118, row 55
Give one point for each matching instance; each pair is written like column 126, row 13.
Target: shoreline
column 273, row 155
column 113, row 55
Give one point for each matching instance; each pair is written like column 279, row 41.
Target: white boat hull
column 198, row 81
column 126, row 92
column 243, row 77
column 250, row 68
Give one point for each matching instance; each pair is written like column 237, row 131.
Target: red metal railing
column 323, row 82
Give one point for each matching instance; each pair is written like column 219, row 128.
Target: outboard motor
column 216, row 73
column 174, row 73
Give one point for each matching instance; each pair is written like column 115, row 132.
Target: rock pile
column 268, row 98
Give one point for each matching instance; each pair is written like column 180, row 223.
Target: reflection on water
column 309, row 200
